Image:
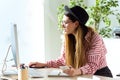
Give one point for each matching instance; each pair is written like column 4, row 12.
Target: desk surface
column 63, row 78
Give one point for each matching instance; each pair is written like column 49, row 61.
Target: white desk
column 62, row 78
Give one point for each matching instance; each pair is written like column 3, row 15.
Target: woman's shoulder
column 92, row 31
column 92, row 34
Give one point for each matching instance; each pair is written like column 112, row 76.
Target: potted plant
column 101, row 12
column 118, row 18
column 98, row 12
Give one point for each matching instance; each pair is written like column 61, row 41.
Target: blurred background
column 38, row 35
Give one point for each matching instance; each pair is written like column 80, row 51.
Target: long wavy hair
column 75, row 45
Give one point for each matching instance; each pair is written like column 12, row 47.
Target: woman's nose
column 63, row 26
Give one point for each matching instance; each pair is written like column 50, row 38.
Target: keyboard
column 10, row 72
column 38, row 73
column 35, row 73
column 32, row 72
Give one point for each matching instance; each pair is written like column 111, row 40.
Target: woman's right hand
column 37, row 65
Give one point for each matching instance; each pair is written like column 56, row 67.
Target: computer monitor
column 14, row 45
column 15, row 51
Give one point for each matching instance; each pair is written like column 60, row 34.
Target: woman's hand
column 37, row 65
column 72, row 72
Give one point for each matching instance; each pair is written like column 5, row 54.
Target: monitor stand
column 4, row 70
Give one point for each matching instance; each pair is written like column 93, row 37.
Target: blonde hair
column 75, row 49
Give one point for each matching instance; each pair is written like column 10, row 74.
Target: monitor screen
column 14, row 45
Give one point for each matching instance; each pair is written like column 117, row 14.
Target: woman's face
column 69, row 26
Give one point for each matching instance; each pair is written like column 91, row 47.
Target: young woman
column 83, row 50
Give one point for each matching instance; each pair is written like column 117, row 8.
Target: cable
column 5, row 60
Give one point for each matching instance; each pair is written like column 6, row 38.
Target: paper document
column 56, row 73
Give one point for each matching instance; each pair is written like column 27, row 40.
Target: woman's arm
column 56, row 63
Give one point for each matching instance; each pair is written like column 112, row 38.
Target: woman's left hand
column 72, row 72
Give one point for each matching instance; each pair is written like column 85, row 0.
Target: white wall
column 52, row 35
column 29, row 17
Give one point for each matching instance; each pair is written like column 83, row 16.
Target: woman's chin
column 65, row 32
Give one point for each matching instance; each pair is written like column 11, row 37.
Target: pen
column 59, row 73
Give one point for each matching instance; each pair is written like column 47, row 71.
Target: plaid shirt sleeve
column 58, row 62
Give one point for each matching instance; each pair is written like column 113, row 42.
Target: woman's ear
column 76, row 23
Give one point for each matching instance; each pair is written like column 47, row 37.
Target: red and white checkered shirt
column 95, row 56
